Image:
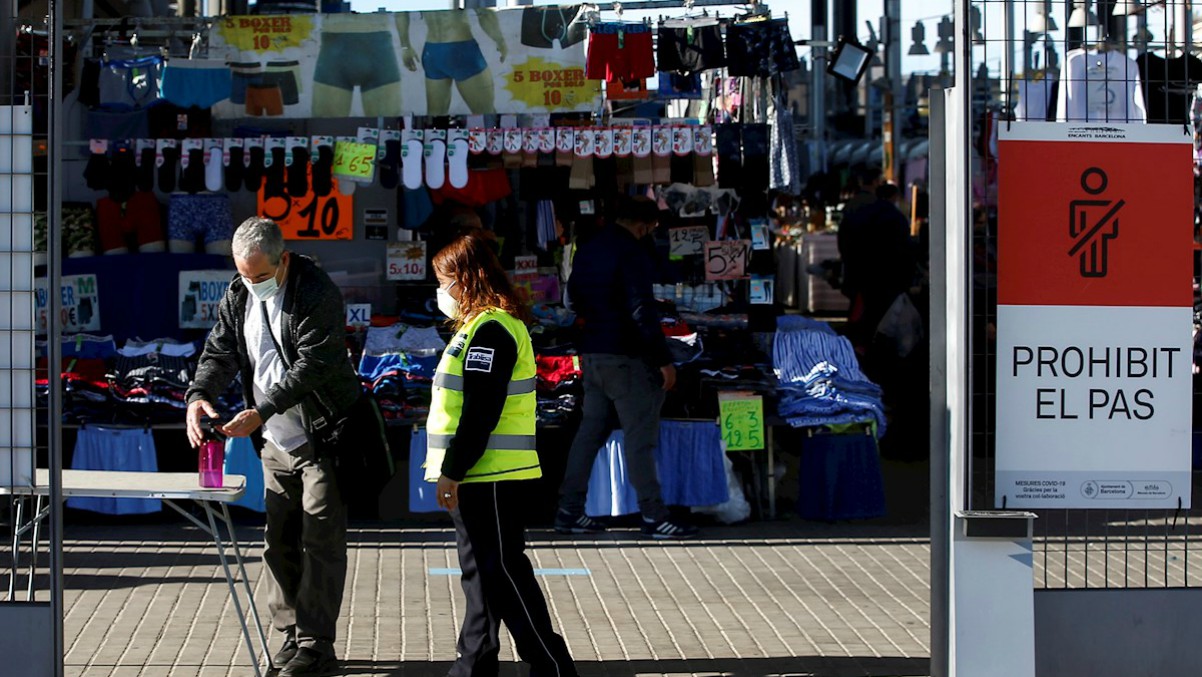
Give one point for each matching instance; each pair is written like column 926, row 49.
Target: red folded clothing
column 553, row 370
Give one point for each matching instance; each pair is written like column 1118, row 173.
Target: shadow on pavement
column 799, row 666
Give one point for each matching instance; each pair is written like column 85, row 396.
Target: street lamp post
column 818, row 17
column 896, row 93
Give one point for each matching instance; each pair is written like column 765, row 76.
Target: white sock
column 411, row 164
column 436, row 163
column 346, row 186
column 457, row 151
column 214, row 170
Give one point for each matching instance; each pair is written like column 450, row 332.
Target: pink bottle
column 212, row 460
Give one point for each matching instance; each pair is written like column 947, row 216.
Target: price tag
column 358, row 314
column 741, row 418
column 688, row 241
column 310, row 216
column 525, row 267
column 759, row 234
column 726, row 259
column 407, row 261
column 354, row 160
column 763, row 289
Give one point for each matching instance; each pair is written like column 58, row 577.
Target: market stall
column 373, row 141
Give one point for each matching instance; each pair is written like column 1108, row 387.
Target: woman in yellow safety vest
column 480, row 447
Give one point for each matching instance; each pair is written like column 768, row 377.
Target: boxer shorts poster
column 445, row 62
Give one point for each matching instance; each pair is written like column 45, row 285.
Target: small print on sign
column 762, row 290
column 525, row 267
column 200, row 294
column 741, row 418
column 358, row 314
column 310, row 216
column 688, row 241
column 354, row 160
column 80, row 309
column 726, row 259
column 406, row 261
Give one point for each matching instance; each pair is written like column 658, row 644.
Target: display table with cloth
column 170, row 488
column 100, row 447
column 691, row 471
column 840, row 477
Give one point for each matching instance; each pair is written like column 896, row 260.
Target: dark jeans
column 499, row 585
column 306, row 545
column 632, row 389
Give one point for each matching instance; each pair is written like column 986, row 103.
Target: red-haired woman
column 481, row 452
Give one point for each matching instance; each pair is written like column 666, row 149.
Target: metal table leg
column 771, row 474
column 33, row 553
column 229, row 578
column 211, row 530
column 18, row 523
column 250, row 595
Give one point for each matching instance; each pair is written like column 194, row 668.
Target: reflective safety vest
column 510, row 454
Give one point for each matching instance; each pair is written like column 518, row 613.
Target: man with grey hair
column 281, row 326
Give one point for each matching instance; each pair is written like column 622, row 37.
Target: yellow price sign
column 542, row 84
column 741, row 418
column 354, row 160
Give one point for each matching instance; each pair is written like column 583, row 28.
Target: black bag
column 357, row 444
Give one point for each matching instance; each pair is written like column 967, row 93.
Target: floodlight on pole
column 1043, row 22
column 918, row 35
column 1082, row 16
column 1126, row 8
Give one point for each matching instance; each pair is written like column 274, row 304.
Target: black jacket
column 313, row 343
column 611, row 291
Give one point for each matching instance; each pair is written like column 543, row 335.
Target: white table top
column 121, row 484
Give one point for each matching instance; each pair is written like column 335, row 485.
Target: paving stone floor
column 784, row 598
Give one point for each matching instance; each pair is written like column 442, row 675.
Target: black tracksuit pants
column 499, row 584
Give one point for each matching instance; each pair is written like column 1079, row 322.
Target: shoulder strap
column 271, row 333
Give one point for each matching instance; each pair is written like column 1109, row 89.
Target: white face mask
column 265, row 289
column 447, row 303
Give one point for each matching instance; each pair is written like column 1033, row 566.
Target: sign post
column 1095, row 312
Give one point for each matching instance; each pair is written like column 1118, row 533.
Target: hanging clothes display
column 1036, row 98
column 1169, row 86
column 1100, row 86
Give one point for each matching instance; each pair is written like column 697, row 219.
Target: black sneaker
column 287, row 652
column 565, row 523
column 669, row 530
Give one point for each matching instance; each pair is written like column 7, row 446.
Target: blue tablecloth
column 691, row 472
column 102, row 448
column 422, row 496
column 242, row 459
column 840, row 478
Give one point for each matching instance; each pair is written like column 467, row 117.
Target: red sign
column 310, row 216
column 1100, row 221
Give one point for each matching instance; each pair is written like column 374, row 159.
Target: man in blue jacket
column 626, row 365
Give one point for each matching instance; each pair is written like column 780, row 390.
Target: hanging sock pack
column 298, row 173
column 323, row 171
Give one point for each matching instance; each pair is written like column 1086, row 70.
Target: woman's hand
column 448, row 493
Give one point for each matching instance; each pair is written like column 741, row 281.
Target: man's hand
column 245, row 423
column 503, row 50
column 669, row 373
column 448, row 493
column 409, row 58
column 197, row 410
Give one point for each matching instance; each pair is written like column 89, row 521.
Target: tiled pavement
column 788, row 598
